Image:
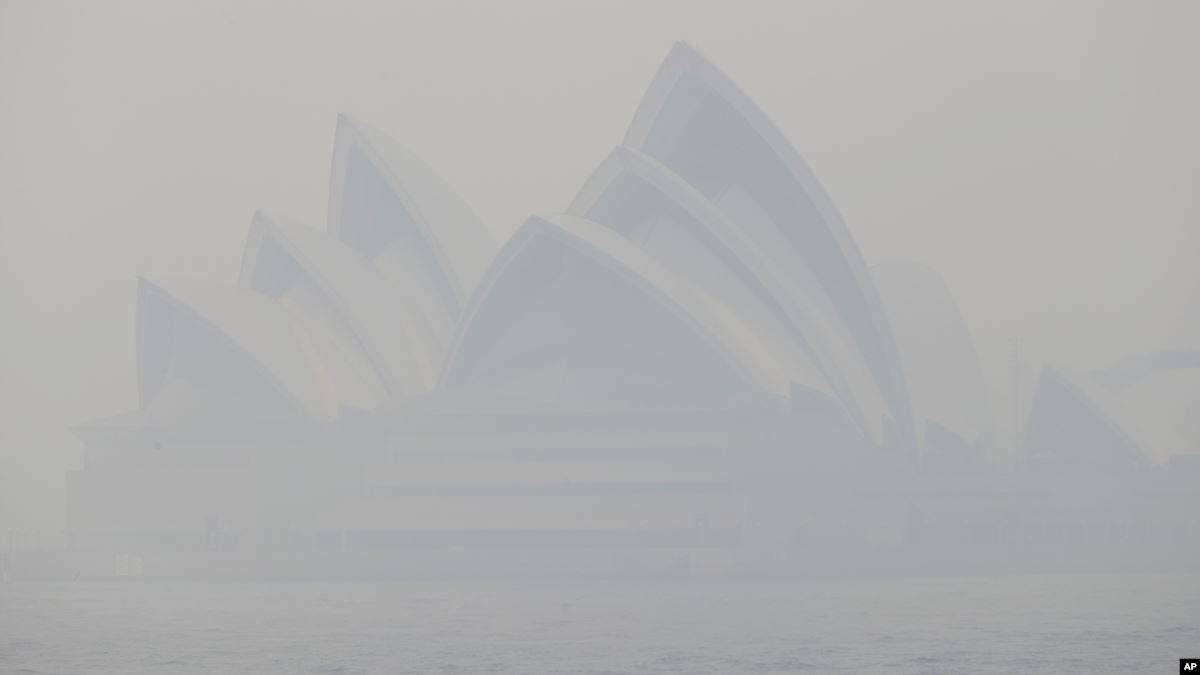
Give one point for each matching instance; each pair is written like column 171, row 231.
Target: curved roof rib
column 337, row 292
column 229, row 341
column 695, row 121
column 941, row 365
column 390, row 207
column 640, row 199
column 570, row 306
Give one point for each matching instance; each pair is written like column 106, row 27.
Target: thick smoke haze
column 1042, row 156
column 544, row 336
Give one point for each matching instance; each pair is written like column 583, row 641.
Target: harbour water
column 1053, row 625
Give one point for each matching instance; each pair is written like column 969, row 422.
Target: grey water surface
column 1020, row 624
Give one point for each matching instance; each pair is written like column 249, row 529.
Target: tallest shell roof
column 700, row 125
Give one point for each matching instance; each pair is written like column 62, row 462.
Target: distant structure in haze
column 1135, row 413
column 693, row 359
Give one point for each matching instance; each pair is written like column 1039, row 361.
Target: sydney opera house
column 692, row 366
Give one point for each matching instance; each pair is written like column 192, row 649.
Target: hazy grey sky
column 1043, row 156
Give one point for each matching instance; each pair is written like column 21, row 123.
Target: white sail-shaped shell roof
column 569, row 297
column 1073, row 423
column 409, row 196
column 342, row 293
column 391, row 208
column 1141, row 408
column 695, row 121
column 230, row 339
column 639, row 198
column 941, row 365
